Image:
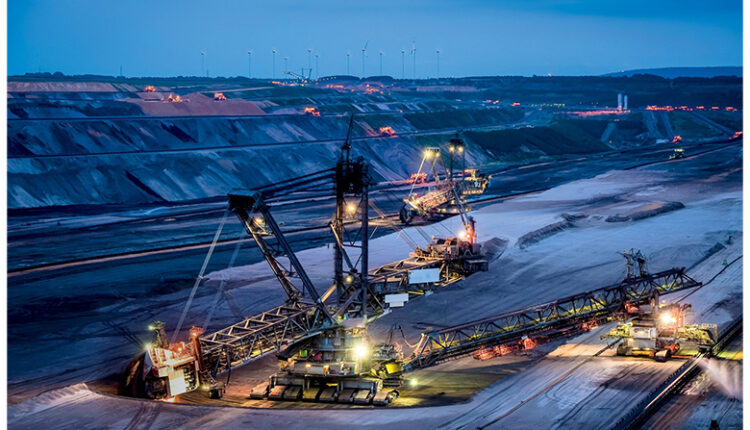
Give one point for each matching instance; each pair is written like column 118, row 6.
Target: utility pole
column 249, row 64
column 381, row 63
column 403, row 69
column 273, row 75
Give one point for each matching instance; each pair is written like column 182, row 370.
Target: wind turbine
column 364, row 53
column 403, row 69
column 348, row 54
column 381, row 62
column 437, row 53
column 414, row 57
column 273, row 75
column 317, row 70
column 250, row 64
column 203, row 63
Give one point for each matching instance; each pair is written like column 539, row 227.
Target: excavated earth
column 115, row 194
column 566, row 380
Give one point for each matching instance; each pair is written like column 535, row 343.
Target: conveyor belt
column 258, row 335
column 435, row 346
column 269, row 331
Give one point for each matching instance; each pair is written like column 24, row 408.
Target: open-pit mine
column 454, row 253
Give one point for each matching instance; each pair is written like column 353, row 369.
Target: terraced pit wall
column 61, row 162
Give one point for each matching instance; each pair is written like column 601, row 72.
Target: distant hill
column 684, row 72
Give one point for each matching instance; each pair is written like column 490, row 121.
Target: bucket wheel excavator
column 450, row 190
column 323, row 349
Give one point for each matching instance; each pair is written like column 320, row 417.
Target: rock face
column 135, row 141
column 110, row 160
column 70, row 162
column 131, row 157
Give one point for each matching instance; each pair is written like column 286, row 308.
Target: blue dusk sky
column 513, row 37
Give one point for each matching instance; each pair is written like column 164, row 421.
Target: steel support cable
column 200, row 277
column 391, row 196
column 710, row 280
column 412, row 346
column 424, row 235
column 401, row 233
column 415, row 179
column 223, row 283
column 429, row 238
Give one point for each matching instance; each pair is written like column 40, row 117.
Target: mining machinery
column 387, row 131
column 303, row 79
column 677, row 154
column 440, row 201
column 324, row 352
column 473, row 183
column 525, row 328
column 335, row 363
column 322, row 344
column 469, row 182
column 172, row 368
column 450, row 190
column 661, row 332
column 341, row 364
column 311, row 110
column 462, row 253
column 418, row 178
